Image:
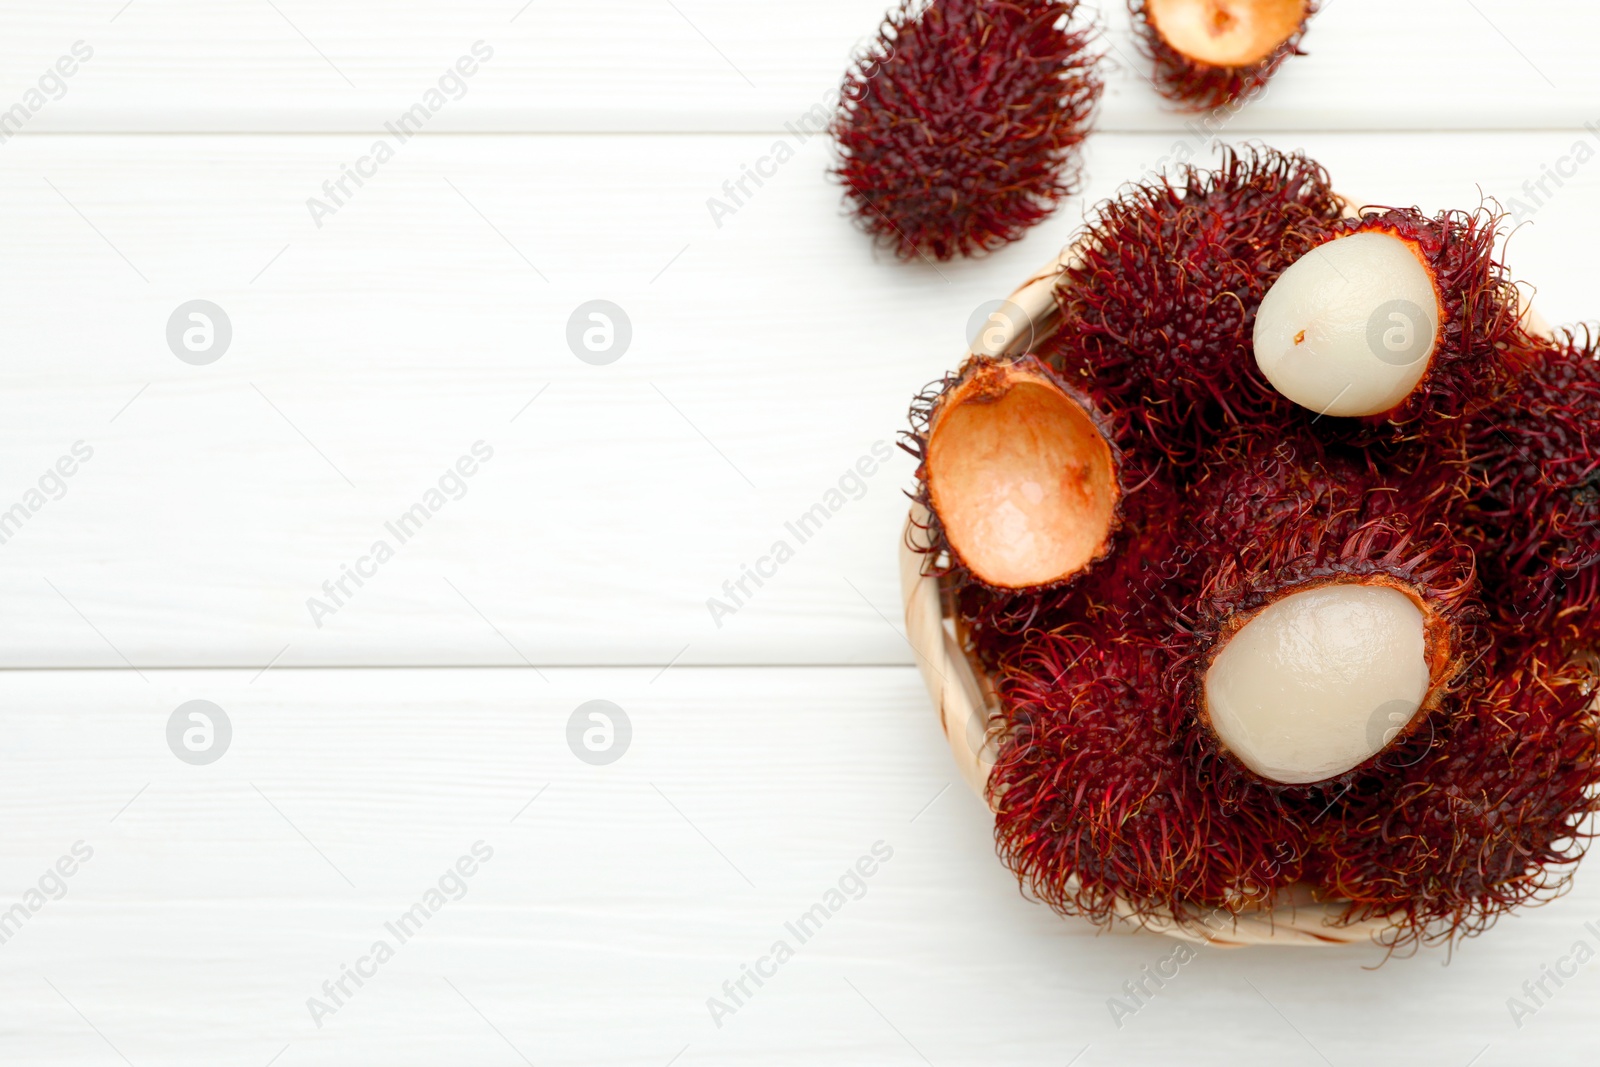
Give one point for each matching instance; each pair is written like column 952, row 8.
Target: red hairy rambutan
column 1158, row 307
column 1217, row 53
column 959, row 127
column 1096, row 810
column 1486, row 817
column 1250, row 487
column 1253, row 488
column 1534, row 461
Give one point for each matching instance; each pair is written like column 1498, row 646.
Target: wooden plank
column 219, row 898
column 726, row 65
column 770, row 356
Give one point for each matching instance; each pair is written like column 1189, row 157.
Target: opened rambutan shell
column 1217, row 53
column 1019, row 473
column 959, row 127
column 1157, row 309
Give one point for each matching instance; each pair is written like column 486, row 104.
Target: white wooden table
column 377, row 740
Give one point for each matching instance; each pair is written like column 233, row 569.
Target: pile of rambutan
column 1279, row 544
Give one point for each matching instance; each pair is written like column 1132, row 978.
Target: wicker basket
column 967, row 704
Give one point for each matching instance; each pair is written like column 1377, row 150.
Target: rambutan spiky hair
column 1486, row 817
column 1534, row 458
column 959, row 127
column 1198, row 83
column 1096, row 810
column 1158, row 309
column 1250, row 486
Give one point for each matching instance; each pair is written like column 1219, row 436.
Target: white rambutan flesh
column 1226, row 33
column 1319, row 681
column 1350, row 328
column 1020, row 475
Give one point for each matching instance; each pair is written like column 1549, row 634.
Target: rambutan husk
column 1019, row 473
column 1533, row 459
column 959, row 127
column 1097, row 811
column 1217, row 53
column 1483, row 814
column 1158, row 306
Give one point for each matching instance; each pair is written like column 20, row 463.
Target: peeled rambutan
column 1323, row 641
column 1157, row 309
column 1018, row 472
column 1393, row 319
column 959, row 127
column 1216, row 53
column 1534, row 461
column 1485, row 818
column 1096, row 810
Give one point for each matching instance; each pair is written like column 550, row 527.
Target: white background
column 769, row 353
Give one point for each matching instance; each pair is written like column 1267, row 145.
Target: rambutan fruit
column 959, row 127
column 1251, row 482
column 1317, row 647
column 1018, row 472
column 1534, row 461
column 1252, row 485
column 1391, row 317
column 1213, row 53
column 1157, row 308
column 1096, row 811
column 1489, row 816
